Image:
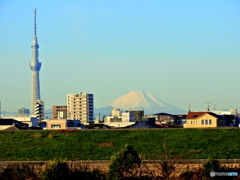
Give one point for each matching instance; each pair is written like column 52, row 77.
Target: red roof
column 194, row 115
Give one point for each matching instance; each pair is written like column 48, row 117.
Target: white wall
column 127, row 117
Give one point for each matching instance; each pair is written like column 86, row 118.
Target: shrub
column 194, row 174
column 211, row 165
column 122, row 163
column 80, row 171
column 18, row 171
column 55, row 170
column 204, row 172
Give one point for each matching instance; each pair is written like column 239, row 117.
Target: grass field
column 101, row 144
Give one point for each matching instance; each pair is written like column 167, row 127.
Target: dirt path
column 180, row 167
column 104, row 164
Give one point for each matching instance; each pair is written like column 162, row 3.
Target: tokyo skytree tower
column 35, row 66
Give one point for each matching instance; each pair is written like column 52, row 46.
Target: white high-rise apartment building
column 39, row 110
column 80, row 107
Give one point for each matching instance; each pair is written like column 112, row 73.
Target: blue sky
column 181, row 51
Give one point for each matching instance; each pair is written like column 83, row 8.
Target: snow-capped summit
column 142, row 100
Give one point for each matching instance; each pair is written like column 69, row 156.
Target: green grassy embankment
column 101, row 144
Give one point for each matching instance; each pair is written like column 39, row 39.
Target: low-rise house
column 9, row 123
column 179, row 119
column 231, row 116
column 124, row 120
column 62, row 124
column 166, row 120
column 230, row 120
column 204, row 120
column 143, row 125
column 31, row 120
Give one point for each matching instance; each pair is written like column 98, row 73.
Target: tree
column 55, row 170
column 167, row 163
column 211, row 165
column 122, row 163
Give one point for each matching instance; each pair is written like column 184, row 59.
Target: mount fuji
column 141, row 100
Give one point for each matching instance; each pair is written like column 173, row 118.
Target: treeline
column 124, row 165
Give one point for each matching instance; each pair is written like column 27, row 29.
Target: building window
column 202, row 122
column 115, row 119
column 55, row 126
column 210, row 121
column 206, row 121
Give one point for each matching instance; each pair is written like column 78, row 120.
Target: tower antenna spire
column 35, row 66
column 35, row 24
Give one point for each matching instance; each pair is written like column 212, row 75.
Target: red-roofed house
column 204, row 120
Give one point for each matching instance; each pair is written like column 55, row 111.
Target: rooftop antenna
column 208, row 108
column 189, row 107
column 35, row 24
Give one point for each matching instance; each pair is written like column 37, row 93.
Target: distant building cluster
column 119, row 119
column 23, row 111
column 78, row 114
